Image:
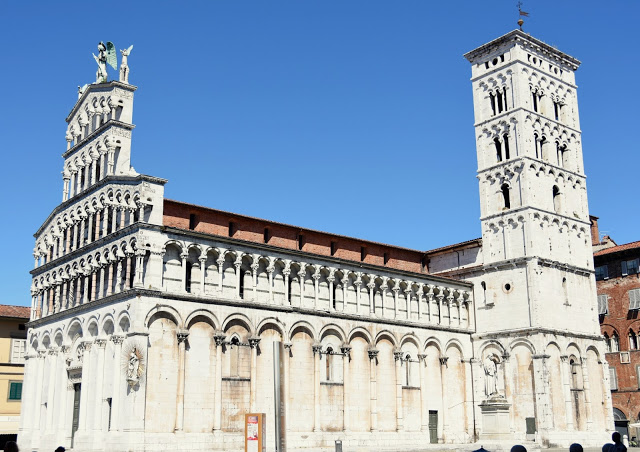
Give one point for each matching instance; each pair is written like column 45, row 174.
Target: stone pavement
column 454, row 447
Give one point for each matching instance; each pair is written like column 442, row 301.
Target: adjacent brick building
column 618, row 283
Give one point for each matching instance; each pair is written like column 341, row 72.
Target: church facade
column 153, row 320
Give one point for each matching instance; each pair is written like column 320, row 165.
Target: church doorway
column 433, row 427
column 621, row 422
column 76, row 411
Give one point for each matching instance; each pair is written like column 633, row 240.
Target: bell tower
column 535, row 219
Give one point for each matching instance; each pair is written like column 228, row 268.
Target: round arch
column 202, row 313
column 166, row 310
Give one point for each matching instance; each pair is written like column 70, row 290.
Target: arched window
column 187, row 282
column 484, row 291
column 506, row 146
column 329, row 364
column 633, row 341
column 534, row 94
column 505, row 196
column 559, row 150
column 556, row 199
column 544, row 145
column 607, row 342
column 498, row 145
column 493, row 104
column 234, row 357
column 499, row 97
column 615, row 343
column 536, row 143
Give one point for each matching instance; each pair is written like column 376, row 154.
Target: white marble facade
column 146, row 336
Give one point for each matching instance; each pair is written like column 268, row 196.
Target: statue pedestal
column 495, row 418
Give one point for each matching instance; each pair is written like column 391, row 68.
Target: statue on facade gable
column 124, row 66
column 490, row 375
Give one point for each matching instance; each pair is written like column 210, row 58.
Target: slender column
column 509, row 386
column 100, row 228
column 65, row 292
column 76, row 240
column 238, row 264
column 99, row 345
column 424, row 415
column 81, row 241
column 373, row 397
column 331, row 279
column 184, row 256
column 53, row 353
column 566, row 382
column 217, row 406
column 440, row 297
column 608, row 403
column 395, row 289
column 182, row 338
column 397, row 355
column 383, row 289
column 122, row 215
column 302, row 274
column 346, row 386
column 114, row 218
column 117, row 382
column 253, row 343
column 358, row 284
column 101, row 283
column 67, row 241
column 345, row 284
column 372, row 299
column 138, row 282
column 203, row 274
column 586, row 386
column 287, row 362
column 119, row 267
column 254, row 274
column 542, row 390
column 90, row 229
column 112, row 151
column 110, row 277
column 63, row 387
column 72, row 183
column 450, row 300
column 270, row 270
column 317, row 355
column 127, row 273
column 407, row 295
column 316, row 282
column 430, row 302
column 419, row 294
column 445, row 399
column 220, row 262
column 52, row 295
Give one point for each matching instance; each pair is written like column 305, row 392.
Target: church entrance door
column 76, row 411
column 433, row 427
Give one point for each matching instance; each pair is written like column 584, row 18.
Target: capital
column 219, row 338
column 254, row 341
column 182, row 336
column 373, row 353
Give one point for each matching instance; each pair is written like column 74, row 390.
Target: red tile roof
column 20, row 312
column 616, row 249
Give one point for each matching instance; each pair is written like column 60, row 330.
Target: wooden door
column 76, row 411
column 433, row 427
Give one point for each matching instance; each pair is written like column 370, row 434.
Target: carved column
column 371, row 285
column 396, row 289
column 76, row 241
column 445, row 399
column 373, row 401
column 81, row 241
column 383, row 288
column 270, row 269
column 117, row 382
column 397, row 356
column 345, row 285
column 586, row 386
column 127, row 272
column 358, row 284
column 111, row 263
column 238, row 264
column 217, row 407
column 316, row 283
column 90, row 228
column 119, row 269
column 85, row 294
column 184, row 256
column 407, row 294
column 302, row 274
column 138, row 282
column 182, row 338
column 100, row 345
column 317, row 355
column 440, row 297
column 253, row 343
column 424, row 414
column 346, row 386
column 566, row 383
column 37, row 400
column 203, row 274
column 64, row 288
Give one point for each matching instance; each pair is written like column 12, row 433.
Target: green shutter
column 15, row 390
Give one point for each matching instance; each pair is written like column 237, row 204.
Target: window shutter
column 634, row 299
column 18, row 391
column 624, row 268
column 603, row 307
column 613, row 379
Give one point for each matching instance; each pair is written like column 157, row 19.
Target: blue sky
column 353, row 117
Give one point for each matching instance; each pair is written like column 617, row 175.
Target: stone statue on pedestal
column 124, row 67
column 490, row 375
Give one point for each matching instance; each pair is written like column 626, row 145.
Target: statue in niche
column 490, row 375
column 133, row 363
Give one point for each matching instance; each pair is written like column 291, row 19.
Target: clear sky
column 352, row 117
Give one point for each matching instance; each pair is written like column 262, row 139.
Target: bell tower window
column 506, row 146
column 556, row 199
column 505, row 196
column 498, row 145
